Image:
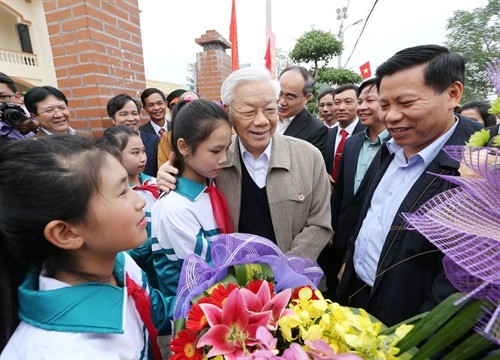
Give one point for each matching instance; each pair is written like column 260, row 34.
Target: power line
column 361, row 32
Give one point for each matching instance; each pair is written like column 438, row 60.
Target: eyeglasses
column 52, row 111
column 6, row 97
column 269, row 112
column 289, row 97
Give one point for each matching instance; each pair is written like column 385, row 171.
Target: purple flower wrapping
column 231, row 249
column 464, row 224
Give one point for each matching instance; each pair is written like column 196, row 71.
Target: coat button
column 301, row 198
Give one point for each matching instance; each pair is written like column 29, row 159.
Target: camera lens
column 12, row 114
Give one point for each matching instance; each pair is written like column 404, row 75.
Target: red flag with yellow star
column 365, row 70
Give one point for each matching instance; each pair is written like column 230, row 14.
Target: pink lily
column 263, row 301
column 232, row 328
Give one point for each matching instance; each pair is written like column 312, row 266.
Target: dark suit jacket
column 307, row 127
column 494, row 130
column 330, row 145
column 151, row 141
column 410, row 277
column 346, row 207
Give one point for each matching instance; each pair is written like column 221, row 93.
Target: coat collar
column 280, row 153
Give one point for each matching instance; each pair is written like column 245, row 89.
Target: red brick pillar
column 213, row 64
column 97, row 50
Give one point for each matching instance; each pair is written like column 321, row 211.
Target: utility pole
column 342, row 15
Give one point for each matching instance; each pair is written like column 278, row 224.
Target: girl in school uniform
column 185, row 220
column 126, row 145
column 68, row 290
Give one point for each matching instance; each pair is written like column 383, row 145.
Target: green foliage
column 190, row 79
column 447, row 327
column 336, row 77
column 316, row 46
column 319, row 47
column 476, row 35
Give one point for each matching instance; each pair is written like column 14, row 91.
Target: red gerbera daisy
column 196, row 319
column 183, row 346
column 219, row 295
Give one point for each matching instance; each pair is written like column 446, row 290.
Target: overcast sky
column 169, row 28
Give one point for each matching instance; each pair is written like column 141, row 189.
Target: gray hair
column 243, row 76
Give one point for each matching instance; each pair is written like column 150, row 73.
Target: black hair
column 442, row 69
column 367, row 83
column 5, row 79
column 194, row 121
column 115, row 139
column 39, row 93
column 52, row 178
column 306, row 75
column 482, row 108
column 117, row 103
column 148, row 92
column 345, row 87
column 327, row 91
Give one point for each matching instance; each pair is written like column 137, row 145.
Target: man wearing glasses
column 295, row 120
column 18, row 125
column 276, row 186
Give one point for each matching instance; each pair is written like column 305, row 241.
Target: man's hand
column 166, row 175
column 341, row 273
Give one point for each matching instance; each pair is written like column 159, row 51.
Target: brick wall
column 97, row 51
column 213, row 64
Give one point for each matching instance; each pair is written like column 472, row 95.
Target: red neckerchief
column 143, row 306
column 220, row 209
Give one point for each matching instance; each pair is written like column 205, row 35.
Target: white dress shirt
column 283, row 125
column 257, row 168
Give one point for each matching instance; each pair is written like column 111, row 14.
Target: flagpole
column 268, row 19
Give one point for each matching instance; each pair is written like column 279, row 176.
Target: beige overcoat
column 298, row 192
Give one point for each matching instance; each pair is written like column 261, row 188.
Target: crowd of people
column 95, row 231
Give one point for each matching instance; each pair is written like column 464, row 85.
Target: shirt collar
column 157, row 128
column 71, row 131
column 188, row 188
column 430, row 151
column 50, row 304
column 265, row 155
column 350, row 127
column 380, row 137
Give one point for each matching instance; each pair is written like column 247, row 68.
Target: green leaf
column 434, row 320
column 495, row 355
column 470, row 347
column 412, row 320
column 454, row 329
column 179, row 325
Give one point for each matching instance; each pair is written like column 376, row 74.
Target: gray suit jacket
column 298, row 192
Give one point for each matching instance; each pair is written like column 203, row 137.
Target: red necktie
column 143, row 306
column 220, row 209
column 147, row 186
column 162, row 132
column 338, row 153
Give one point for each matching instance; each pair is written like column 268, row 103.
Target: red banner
column 271, row 55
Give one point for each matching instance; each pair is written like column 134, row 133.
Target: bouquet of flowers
column 254, row 302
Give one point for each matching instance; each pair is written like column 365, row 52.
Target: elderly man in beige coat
column 276, row 186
